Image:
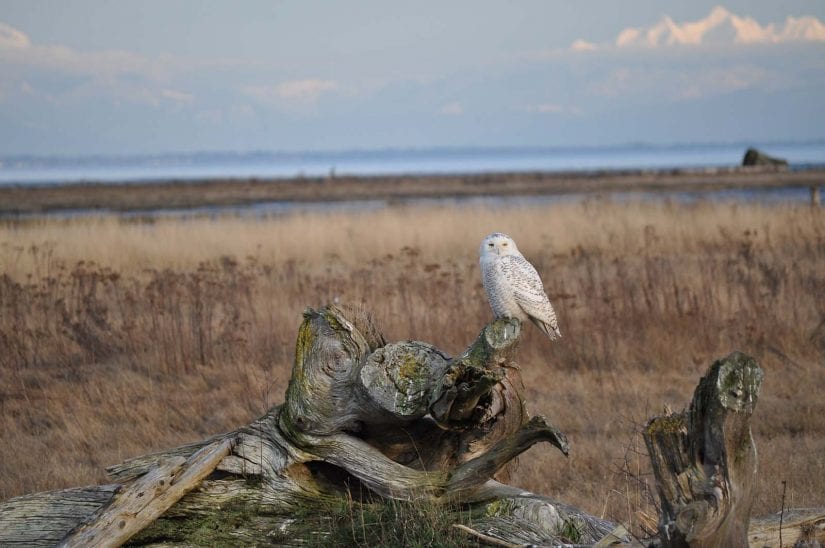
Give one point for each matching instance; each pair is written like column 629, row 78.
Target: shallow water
column 27, row 170
column 269, row 209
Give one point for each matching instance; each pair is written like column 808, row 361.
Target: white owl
column 513, row 286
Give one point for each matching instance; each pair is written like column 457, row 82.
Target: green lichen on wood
column 503, row 332
column 499, row 507
column 496, row 337
column 303, row 344
column 410, row 369
column 739, row 379
column 670, row 424
column 298, row 386
column 247, row 524
column 478, row 353
column 251, row 515
column 222, row 527
column 411, row 379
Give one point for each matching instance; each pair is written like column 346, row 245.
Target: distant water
column 789, row 195
column 30, row 170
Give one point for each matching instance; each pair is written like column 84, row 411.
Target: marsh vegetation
column 120, row 337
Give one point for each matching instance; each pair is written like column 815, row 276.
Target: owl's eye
column 504, row 244
column 491, row 244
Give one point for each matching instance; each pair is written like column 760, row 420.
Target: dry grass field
column 122, row 337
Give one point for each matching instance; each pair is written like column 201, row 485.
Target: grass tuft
column 388, row 522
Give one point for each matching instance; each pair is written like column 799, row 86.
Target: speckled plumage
column 513, row 286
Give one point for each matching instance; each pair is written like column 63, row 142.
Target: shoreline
column 230, row 192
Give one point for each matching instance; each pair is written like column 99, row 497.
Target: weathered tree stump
column 362, row 418
column 704, row 462
column 704, row 458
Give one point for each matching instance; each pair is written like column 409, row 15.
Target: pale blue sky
column 86, row 77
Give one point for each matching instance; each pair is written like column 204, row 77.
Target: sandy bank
column 177, row 194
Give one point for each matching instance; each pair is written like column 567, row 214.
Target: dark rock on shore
column 754, row 157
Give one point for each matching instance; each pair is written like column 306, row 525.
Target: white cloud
column 16, row 48
column 690, row 60
column 301, row 92
column 716, row 81
column 304, row 90
column 60, row 75
column 673, row 83
column 453, row 109
column 177, row 96
column 803, row 28
column 719, row 27
column 546, row 108
column 125, row 76
column 583, row 45
column 295, row 96
column 12, row 38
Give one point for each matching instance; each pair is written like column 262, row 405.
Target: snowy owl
column 513, row 286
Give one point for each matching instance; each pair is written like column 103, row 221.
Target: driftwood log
column 362, row 419
column 373, row 421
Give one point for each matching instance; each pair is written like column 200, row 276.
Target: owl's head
column 499, row 244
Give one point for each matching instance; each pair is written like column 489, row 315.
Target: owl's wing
column 529, row 293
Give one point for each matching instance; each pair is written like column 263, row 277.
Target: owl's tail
column 551, row 331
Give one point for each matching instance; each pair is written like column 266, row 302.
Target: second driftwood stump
column 704, row 458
